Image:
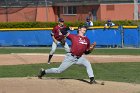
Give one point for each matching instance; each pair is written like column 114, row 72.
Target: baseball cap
column 108, row 20
column 60, row 20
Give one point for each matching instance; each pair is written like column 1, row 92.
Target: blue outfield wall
column 131, row 37
column 103, row 37
column 25, row 38
column 106, row 37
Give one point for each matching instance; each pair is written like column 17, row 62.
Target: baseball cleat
column 49, row 62
column 41, row 73
column 92, row 81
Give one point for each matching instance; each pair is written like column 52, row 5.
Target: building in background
column 70, row 10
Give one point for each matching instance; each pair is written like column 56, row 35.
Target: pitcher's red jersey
column 79, row 44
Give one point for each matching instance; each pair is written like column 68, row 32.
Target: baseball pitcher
column 80, row 45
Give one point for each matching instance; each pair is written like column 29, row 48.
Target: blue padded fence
column 104, row 37
column 131, row 37
column 25, row 38
column 109, row 37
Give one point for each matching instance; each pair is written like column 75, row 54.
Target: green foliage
column 27, row 24
column 126, row 23
column 48, row 24
column 99, row 23
column 74, row 24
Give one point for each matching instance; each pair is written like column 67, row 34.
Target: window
column 110, row 7
column 69, row 10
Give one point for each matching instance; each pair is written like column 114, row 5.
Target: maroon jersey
column 56, row 32
column 79, row 44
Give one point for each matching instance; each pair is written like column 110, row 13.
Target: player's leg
column 67, row 62
column 67, row 48
column 54, row 46
column 83, row 61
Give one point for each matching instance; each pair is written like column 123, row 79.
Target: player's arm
column 54, row 39
column 92, row 46
column 71, row 28
column 52, row 34
column 64, row 31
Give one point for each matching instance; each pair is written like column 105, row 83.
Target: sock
column 50, row 56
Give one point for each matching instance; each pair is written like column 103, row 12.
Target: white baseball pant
column 70, row 60
column 54, row 46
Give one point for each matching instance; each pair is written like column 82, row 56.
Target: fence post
column 122, row 36
column 138, row 36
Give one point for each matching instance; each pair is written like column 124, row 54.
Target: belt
column 75, row 56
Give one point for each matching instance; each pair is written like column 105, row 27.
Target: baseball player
column 80, row 45
column 58, row 38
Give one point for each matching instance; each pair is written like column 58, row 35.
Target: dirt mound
column 46, row 85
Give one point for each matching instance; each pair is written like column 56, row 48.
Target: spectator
column 109, row 24
column 90, row 15
column 88, row 22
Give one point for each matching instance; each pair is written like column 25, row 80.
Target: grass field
column 121, row 72
column 98, row 51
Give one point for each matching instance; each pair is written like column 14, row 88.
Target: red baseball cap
column 60, row 20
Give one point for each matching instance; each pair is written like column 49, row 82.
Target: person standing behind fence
column 88, row 22
column 109, row 24
column 58, row 38
column 90, row 15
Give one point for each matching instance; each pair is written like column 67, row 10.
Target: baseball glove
column 63, row 42
column 92, row 46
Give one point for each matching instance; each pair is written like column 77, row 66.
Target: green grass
column 62, row 51
column 116, row 52
column 29, row 50
column 121, row 72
